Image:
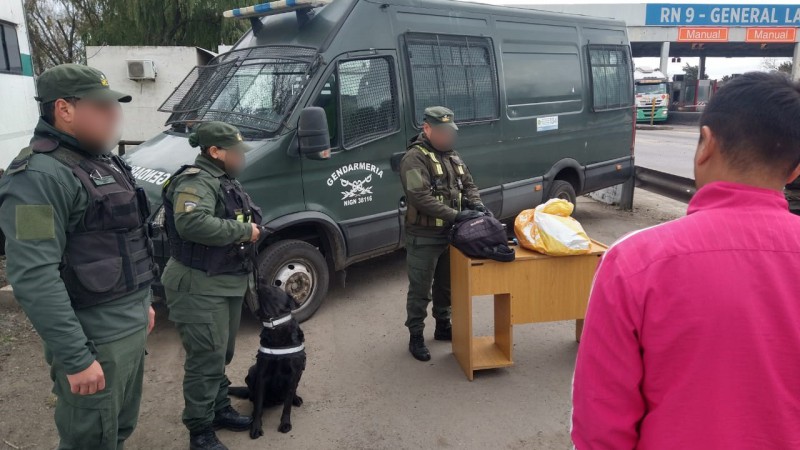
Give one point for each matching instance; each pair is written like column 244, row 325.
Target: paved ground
column 361, row 388
column 670, row 151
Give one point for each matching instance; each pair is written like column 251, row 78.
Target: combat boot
column 205, row 439
column 416, row 345
column 230, row 419
column 444, row 331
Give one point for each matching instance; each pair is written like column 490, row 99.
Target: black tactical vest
column 110, row 255
column 233, row 259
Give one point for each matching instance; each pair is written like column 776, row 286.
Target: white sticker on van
column 150, row 175
column 357, row 188
column 546, row 123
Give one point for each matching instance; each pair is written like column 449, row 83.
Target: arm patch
column 35, row 222
column 186, row 202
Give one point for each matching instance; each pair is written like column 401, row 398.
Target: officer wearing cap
column 439, row 191
column 212, row 225
column 79, row 256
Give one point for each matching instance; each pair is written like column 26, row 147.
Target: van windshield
column 659, row 88
column 253, row 88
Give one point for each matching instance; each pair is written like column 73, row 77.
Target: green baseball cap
column 440, row 116
column 218, row 134
column 75, row 80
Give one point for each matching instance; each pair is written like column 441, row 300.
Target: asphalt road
column 670, row 151
column 362, row 389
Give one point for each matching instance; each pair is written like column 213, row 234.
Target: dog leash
column 279, row 321
column 282, row 351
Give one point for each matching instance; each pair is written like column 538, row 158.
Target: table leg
column 502, row 324
column 461, row 318
column 578, row 329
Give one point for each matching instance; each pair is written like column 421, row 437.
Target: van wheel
column 298, row 268
column 563, row 190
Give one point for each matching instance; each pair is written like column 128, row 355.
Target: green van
column 543, row 101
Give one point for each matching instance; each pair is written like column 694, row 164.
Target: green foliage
column 167, row 22
column 60, row 29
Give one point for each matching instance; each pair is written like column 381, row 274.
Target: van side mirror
column 314, row 139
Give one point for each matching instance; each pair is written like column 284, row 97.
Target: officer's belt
column 279, row 321
column 282, row 350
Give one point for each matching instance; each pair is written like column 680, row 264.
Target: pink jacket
column 692, row 337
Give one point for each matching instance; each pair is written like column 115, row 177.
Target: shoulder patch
column 192, row 170
column 44, row 144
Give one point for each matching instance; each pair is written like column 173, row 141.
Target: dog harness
column 279, row 321
column 282, row 350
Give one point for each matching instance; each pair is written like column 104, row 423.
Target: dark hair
column 756, row 118
column 48, row 109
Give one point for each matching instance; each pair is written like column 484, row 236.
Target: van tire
column 300, row 269
column 563, row 190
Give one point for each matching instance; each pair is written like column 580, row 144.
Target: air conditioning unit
column 141, row 69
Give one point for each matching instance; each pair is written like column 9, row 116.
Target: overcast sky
column 716, row 68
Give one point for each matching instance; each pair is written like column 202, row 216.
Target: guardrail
column 666, row 184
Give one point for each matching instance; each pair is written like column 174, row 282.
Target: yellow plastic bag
column 549, row 229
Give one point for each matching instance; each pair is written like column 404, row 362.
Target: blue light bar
column 276, row 7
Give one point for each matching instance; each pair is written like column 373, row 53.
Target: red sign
column 771, row 35
column 702, row 34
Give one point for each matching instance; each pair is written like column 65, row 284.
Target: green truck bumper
column 643, row 114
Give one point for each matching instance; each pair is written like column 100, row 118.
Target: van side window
column 457, row 72
column 328, row 99
column 612, row 73
column 367, row 100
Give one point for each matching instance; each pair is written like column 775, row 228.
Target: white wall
column 142, row 120
column 18, row 108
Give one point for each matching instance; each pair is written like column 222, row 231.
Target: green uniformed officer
column 439, row 191
column 211, row 224
column 66, row 206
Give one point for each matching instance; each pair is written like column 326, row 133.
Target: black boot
column 416, row 345
column 229, row 419
column 205, row 439
column 444, row 331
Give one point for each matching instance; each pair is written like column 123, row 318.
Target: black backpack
column 484, row 237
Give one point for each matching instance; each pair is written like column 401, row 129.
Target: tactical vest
column 440, row 188
column 111, row 255
column 233, row 259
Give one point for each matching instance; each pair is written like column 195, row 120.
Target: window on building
column 457, row 72
column 612, row 77
column 11, row 61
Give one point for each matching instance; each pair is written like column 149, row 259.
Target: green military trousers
column 207, row 325
column 428, row 263
column 106, row 419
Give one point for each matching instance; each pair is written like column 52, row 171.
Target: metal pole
column 796, row 63
column 653, row 112
column 664, row 57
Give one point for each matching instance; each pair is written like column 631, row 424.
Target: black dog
column 280, row 361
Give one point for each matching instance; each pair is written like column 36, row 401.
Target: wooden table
column 533, row 288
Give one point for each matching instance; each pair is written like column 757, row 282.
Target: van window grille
column 368, row 100
column 457, row 72
column 612, row 77
column 252, row 88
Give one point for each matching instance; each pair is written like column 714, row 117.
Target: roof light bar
column 271, row 8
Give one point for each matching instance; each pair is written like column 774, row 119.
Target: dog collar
column 279, row 321
column 282, row 351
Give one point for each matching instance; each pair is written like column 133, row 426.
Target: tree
column 693, row 71
column 60, row 29
column 54, row 28
column 772, row 65
column 167, row 22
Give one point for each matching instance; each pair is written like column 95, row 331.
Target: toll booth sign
column 670, row 15
column 771, row 35
column 702, row 34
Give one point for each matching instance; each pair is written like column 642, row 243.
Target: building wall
column 18, row 108
column 142, row 120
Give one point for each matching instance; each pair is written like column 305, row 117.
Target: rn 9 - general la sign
column 667, row 14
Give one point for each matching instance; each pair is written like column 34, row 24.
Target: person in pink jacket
column 692, row 336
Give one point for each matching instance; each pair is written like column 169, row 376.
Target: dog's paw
column 256, row 433
column 298, row 401
column 285, row 427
